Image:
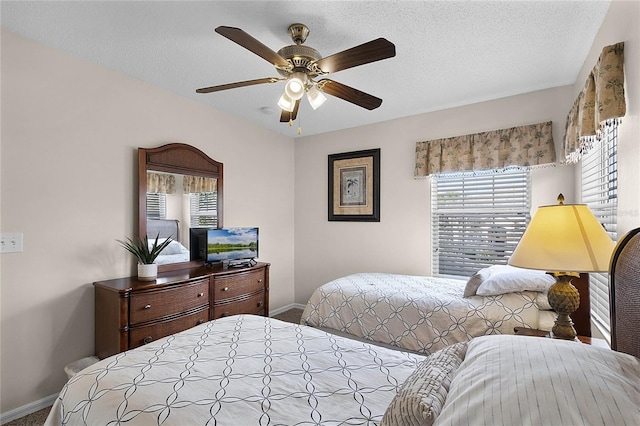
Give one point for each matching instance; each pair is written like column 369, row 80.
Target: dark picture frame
column 354, row 186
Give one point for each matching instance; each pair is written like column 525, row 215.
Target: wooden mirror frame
column 181, row 159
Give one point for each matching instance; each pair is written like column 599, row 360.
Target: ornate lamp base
column 564, row 298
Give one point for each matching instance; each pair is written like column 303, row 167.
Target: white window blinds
column 600, row 192
column 204, row 211
column 477, row 219
column 156, row 206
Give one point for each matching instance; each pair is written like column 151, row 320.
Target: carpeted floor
column 33, row 419
column 38, row 418
column 292, row 315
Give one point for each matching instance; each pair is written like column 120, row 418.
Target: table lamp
column 564, row 240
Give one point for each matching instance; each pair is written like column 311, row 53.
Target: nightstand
column 523, row 331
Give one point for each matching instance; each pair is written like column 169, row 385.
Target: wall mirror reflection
column 180, row 193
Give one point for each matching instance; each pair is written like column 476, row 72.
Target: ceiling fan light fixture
column 296, row 85
column 315, row 97
column 286, row 103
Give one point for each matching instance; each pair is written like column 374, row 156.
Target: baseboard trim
column 32, row 407
column 286, row 308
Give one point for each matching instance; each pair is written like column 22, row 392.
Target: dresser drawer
column 252, row 305
column 174, row 300
column 139, row 336
column 237, row 285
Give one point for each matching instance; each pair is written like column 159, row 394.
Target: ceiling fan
column 300, row 66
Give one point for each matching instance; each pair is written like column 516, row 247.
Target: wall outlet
column 11, row 242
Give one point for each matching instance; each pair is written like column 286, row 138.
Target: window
column 156, row 206
column 204, row 209
column 600, row 192
column 477, row 219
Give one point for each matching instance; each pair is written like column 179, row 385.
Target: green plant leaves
column 140, row 248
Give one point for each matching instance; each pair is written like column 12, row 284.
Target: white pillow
column 423, row 393
column 524, row 380
column 502, row 279
column 174, row 247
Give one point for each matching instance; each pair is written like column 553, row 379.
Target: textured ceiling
column 448, row 53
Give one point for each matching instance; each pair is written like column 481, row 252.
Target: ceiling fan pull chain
column 299, row 127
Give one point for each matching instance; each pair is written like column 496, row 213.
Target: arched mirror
column 180, row 192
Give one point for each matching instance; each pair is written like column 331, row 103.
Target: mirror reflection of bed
column 162, row 229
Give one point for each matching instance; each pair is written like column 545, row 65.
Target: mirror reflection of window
column 161, row 183
column 158, row 185
column 204, row 209
column 156, row 206
column 203, row 200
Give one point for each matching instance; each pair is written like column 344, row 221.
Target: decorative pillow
column 422, row 395
column 509, row 279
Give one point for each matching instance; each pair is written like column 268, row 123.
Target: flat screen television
column 233, row 245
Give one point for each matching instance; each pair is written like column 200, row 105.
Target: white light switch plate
column 11, row 242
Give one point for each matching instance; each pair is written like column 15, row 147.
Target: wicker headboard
column 166, row 228
column 624, row 294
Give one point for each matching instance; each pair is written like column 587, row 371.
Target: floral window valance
column 600, row 103
column 160, row 183
column 194, row 184
column 521, row 146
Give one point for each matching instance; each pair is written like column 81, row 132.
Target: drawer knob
column 147, row 306
column 224, row 314
column 200, row 321
column 260, row 304
column 200, row 294
column 260, row 280
column 225, row 289
column 148, row 339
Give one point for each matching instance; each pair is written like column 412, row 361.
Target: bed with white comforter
column 419, row 313
column 240, row 370
column 247, row 370
column 250, row 370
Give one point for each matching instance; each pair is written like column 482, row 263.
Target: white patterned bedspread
column 416, row 313
column 239, row 370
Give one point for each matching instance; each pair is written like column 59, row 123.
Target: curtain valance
column 600, row 103
column 522, row 146
column 160, row 183
column 193, row 184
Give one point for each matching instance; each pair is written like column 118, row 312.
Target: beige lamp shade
column 564, row 238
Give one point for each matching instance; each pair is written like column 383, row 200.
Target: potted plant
column 147, row 269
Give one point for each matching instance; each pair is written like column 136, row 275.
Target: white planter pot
column 147, row 272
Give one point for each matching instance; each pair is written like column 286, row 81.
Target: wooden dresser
column 130, row 313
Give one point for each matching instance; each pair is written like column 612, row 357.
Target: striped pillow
column 422, row 395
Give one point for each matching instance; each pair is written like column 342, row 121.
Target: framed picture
column 354, row 186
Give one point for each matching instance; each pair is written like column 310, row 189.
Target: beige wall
column 85, row 122
column 401, row 241
column 70, row 132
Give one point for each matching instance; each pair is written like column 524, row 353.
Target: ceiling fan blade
column 285, row 116
column 245, row 40
column 238, row 84
column 349, row 94
column 372, row 51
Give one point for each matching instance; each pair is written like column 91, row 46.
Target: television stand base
column 242, row 263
